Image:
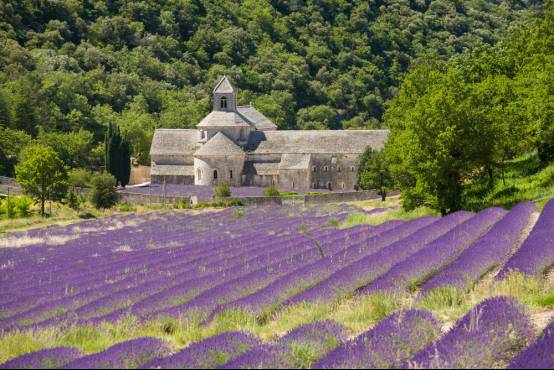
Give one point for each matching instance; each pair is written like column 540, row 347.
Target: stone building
column 238, row 144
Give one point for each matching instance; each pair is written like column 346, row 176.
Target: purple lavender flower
column 537, row 252
column 486, row 253
column 208, row 353
column 266, row 356
column 126, row 355
column 387, row 345
column 52, row 358
column 316, row 332
column 346, row 280
column 422, row 265
column 540, row 355
column 487, row 336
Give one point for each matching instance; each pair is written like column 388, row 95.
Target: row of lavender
column 181, row 281
column 496, row 333
column 89, row 275
column 176, row 266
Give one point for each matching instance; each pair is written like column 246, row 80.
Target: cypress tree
column 117, row 155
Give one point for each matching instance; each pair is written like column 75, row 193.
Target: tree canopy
column 78, row 65
column 42, row 175
column 455, row 123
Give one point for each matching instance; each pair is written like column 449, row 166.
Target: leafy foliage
column 103, row 193
column 118, row 155
column 456, row 124
column 42, row 175
column 72, row 65
column 272, row 191
column 373, row 172
column 222, row 190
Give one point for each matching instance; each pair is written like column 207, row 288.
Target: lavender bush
column 266, row 356
column 208, row 353
column 489, row 335
column 52, row 358
column 422, row 265
column 536, row 254
column 486, row 253
column 540, row 355
column 346, row 280
column 126, row 355
column 387, row 345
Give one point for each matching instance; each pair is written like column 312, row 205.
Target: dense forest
column 456, row 125
column 68, row 68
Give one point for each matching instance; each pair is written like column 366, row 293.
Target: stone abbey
column 241, row 146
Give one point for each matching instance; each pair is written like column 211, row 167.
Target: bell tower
column 225, row 96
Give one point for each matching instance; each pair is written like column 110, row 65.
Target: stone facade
column 241, row 146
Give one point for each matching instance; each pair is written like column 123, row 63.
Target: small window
column 223, row 102
column 338, row 168
column 352, row 168
column 231, row 174
column 326, row 169
column 215, row 174
column 342, row 185
column 314, row 168
column 199, row 174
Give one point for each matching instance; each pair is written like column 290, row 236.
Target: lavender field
column 281, row 287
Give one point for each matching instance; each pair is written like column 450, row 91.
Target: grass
column 358, row 218
column 357, row 314
column 61, row 214
column 525, row 180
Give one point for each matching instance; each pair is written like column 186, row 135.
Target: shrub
column 73, row 200
column 103, row 194
column 18, row 207
column 81, row 178
column 272, row 191
column 222, row 190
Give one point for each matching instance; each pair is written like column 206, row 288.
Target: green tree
column 439, row 139
column 117, row 155
column 5, row 115
column 42, row 175
column 103, row 193
column 74, row 148
column 13, row 141
column 373, row 172
column 24, row 114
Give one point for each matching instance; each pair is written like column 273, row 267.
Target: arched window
column 231, row 174
column 199, row 174
column 338, row 168
column 314, row 168
column 325, row 168
column 215, row 174
column 329, row 186
column 223, row 102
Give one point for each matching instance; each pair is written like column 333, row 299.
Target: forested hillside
column 70, row 66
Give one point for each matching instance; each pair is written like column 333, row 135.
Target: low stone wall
column 150, row 199
column 351, row 196
column 260, row 201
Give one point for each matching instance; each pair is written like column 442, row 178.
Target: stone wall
column 139, row 175
column 150, row 199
